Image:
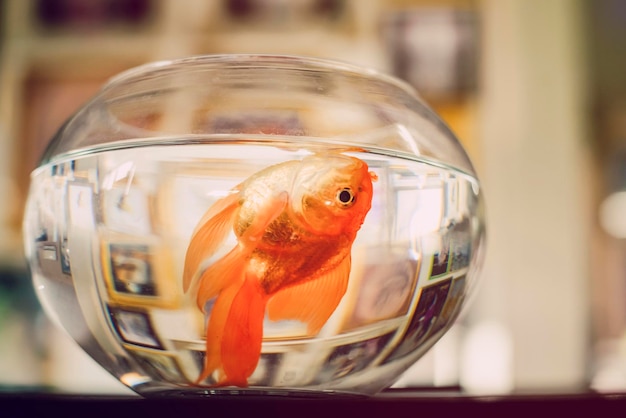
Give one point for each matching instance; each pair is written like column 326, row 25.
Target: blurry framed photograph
column 161, row 365
column 353, row 357
column 49, row 258
column 429, row 306
column 134, row 327
column 65, row 257
column 73, row 17
column 266, row 369
column 284, row 14
column 384, row 289
column 460, row 250
column 440, row 263
column 452, row 306
column 443, row 69
column 48, row 252
column 65, row 170
column 138, row 273
column 131, row 269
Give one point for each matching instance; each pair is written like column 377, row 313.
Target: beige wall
column 536, row 174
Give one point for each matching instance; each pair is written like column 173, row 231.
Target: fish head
column 332, row 193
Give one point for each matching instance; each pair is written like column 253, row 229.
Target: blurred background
column 535, row 90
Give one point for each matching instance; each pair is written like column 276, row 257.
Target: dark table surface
column 390, row 404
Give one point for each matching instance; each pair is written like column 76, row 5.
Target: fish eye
column 345, row 197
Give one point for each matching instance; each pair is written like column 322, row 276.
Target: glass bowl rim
column 244, row 60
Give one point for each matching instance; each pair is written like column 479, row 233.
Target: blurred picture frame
column 452, row 306
column 440, row 264
column 134, row 327
column 49, row 260
column 383, row 289
column 138, row 273
column 265, row 371
column 440, row 70
column 353, row 357
column 460, row 250
column 163, row 365
column 73, row 17
column 429, row 306
column 131, row 269
column 66, row 266
column 265, row 14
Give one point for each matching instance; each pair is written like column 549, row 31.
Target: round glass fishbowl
column 254, row 224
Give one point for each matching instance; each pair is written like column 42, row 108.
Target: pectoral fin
column 212, row 230
column 312, row 301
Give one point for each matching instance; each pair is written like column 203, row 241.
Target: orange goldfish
column 295, row 223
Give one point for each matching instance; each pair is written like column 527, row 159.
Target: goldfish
column 294, row 224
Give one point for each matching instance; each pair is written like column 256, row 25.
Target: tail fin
column 241, row 341
column 234, row 334
column 215, row 332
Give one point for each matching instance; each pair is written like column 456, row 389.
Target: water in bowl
column 107, row 230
